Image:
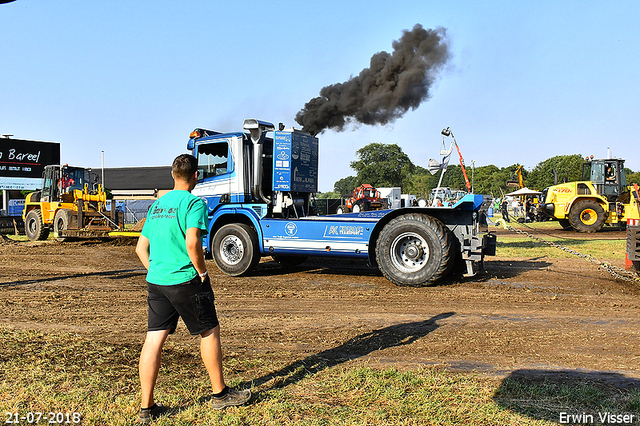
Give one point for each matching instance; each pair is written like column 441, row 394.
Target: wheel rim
column 588, row 216
column 409, row 252
column 32, row 226
column 356, row 208
column 232, row 250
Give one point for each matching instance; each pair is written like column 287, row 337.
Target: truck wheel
column 587, row 216
column 235, row 249
column 61, row 222
column 414, row 250
column 423, row 202
column 33, row 226
column 289, row 261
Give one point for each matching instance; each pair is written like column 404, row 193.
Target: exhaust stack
column 257, row 130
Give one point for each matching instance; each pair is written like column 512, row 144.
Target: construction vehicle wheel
column 423, row 202
column 342, row 209
column 414, row 250
column 33, row 226
column 61, row 222
column 235, row 249
column 566, row 225
column 289, row 261
column 587, row 216
column 359, row 206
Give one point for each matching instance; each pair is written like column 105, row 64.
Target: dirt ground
column 528, row 314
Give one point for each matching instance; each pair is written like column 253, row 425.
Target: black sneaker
column 232, row 398
column 148, row 414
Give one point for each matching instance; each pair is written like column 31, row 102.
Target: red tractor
column 363, row 198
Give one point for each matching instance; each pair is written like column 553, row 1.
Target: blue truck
column 259, row 184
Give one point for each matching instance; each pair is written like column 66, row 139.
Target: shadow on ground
column 357, row 347
column 552, row 394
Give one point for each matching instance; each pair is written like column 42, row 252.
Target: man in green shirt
column 170, row 247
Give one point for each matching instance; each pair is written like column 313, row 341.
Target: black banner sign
column 21, row 158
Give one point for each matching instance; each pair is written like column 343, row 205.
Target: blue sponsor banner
column 295, row 162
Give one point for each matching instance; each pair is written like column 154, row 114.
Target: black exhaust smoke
column 393, row 84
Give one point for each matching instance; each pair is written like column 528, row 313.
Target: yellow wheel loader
column 602, row 197
column 68, row 205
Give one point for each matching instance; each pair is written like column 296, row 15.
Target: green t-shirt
column 166, row 228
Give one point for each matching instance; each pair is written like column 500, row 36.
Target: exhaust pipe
column 257, row 130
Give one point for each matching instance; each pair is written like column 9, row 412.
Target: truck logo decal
column 291, row 229
column 344, row 231
column 282, row 156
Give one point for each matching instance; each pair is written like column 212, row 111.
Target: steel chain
column 616, row 272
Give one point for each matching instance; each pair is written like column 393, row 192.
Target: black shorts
column 192, row 301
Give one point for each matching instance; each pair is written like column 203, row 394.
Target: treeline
column 386, row 165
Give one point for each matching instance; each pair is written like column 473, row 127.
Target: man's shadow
column 357, row 347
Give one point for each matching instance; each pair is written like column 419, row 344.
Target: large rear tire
column 587, row 216
column 235, row 249
column 33, row 226
column 414, row 250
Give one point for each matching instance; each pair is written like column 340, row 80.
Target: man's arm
column 194, row 250
column 142, row 250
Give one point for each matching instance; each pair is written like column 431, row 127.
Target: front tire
column 33, row 226
column 414, row 250
column 587, row 216
column 235, row 249
column 61, row 222
column 342, row 209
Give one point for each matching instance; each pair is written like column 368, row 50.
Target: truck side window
column 213, row 160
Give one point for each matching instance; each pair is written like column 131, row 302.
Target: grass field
column 63, row 372
column 518, row 245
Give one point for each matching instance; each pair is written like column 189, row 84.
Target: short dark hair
column 184, row 166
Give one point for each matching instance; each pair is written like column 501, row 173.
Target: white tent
column 524, row 191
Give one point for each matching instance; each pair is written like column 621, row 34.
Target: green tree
column 420, row 183
column 632, row 177
column 346, row 185
column 328, row 194
column 382, row 165
column 567, row 167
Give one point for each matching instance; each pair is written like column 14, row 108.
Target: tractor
column 363, row 198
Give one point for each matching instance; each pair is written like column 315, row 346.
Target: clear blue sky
column 526, row 80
